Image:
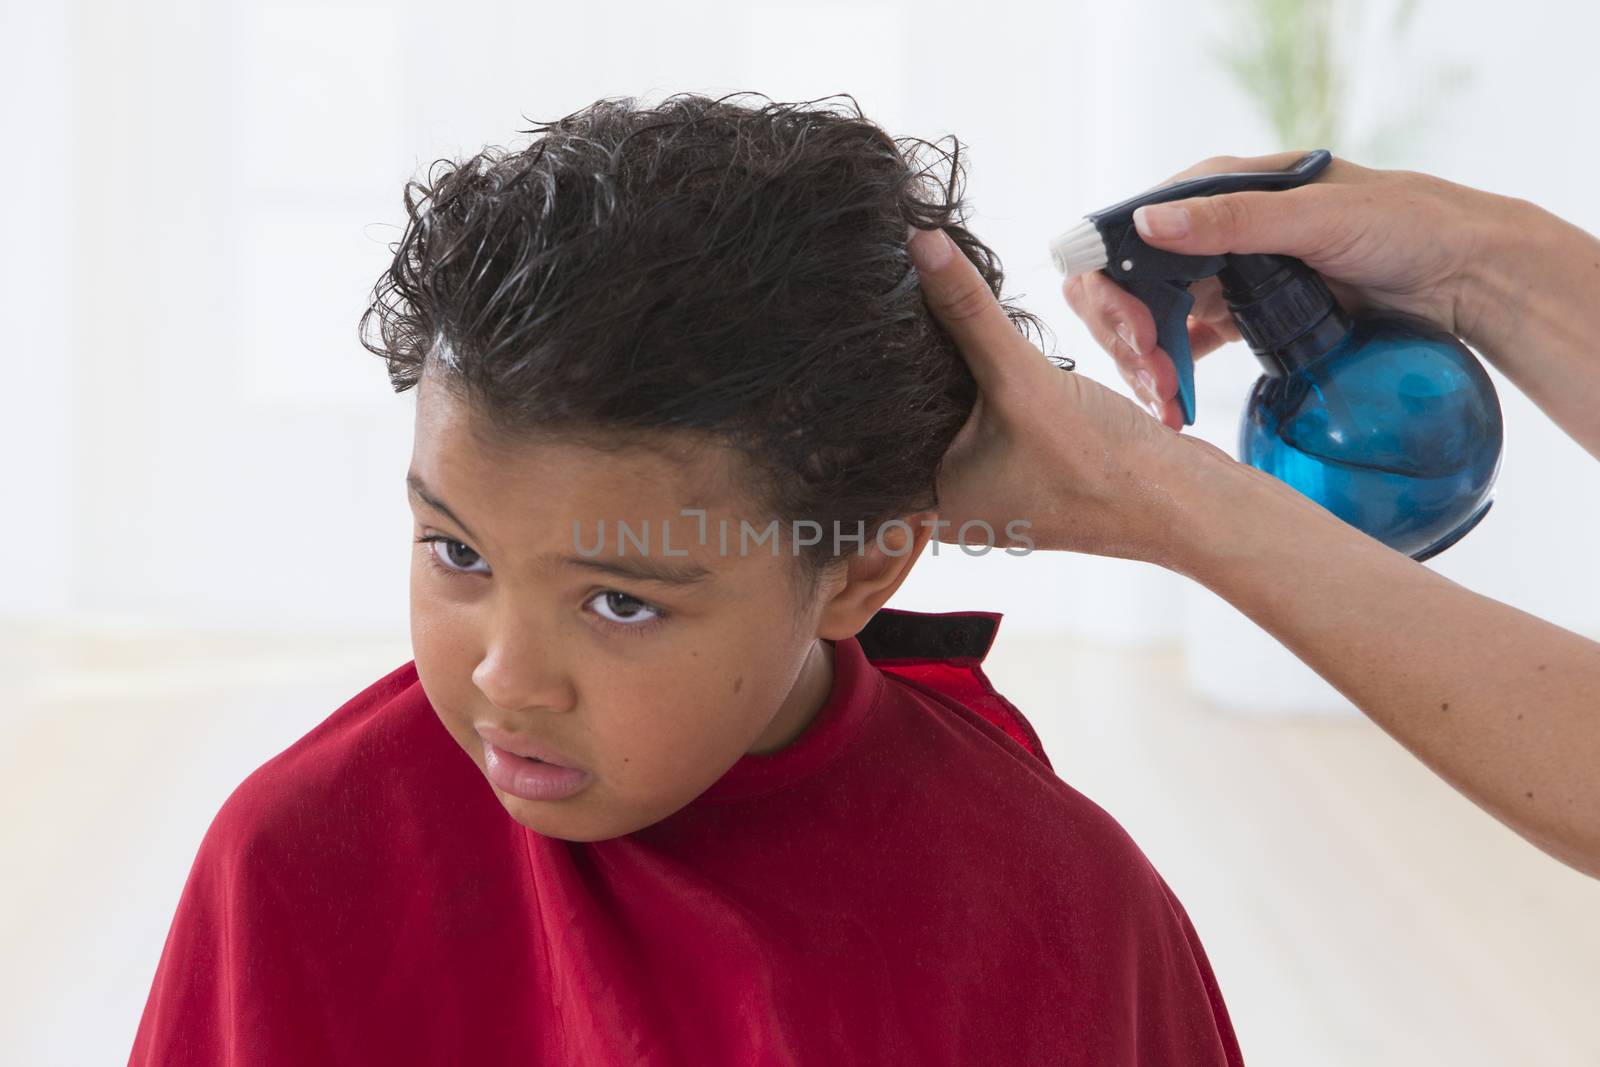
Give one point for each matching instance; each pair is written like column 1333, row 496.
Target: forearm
column 1531, row 306
column 1502, row 705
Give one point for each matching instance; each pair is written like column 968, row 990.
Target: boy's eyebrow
column 640, row 568
column 415, row 486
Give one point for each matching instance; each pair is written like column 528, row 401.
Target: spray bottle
column 1385, row 420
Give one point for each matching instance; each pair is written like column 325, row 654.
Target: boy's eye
column 623, row 609
column 454, row 556
column 616, row 608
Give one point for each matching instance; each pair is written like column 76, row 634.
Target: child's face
column 654, row 689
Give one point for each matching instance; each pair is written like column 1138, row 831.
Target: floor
column 1356, row 910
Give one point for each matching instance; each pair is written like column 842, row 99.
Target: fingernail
column 1146, row 387
column 931, row 249
column 1161, row 221
column 1154, row 408
column 1125, row 332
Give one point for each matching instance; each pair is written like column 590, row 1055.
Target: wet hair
column 700, row 270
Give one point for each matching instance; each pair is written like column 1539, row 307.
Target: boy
column 665, row 782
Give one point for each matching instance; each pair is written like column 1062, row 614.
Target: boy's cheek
column 443, row 637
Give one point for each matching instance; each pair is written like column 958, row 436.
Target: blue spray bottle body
column 1388, row 422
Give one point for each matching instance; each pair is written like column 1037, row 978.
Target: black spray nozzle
column 1274, row 298
column 1278, row 303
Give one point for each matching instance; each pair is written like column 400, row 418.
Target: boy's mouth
column 531, row 778
column 534, row 752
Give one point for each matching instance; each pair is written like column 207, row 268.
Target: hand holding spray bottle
column 1385, row 420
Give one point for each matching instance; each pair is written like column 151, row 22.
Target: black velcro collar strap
column 897, row 634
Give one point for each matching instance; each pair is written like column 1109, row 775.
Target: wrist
column 1532, row 313
column 1508, row 262
column 1226, row 519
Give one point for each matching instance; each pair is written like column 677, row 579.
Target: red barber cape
column 907, row 883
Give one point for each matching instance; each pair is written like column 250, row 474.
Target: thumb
column 966, row 307
column 1283, row 222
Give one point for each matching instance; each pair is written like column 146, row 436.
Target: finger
column 1203, row 340
column 966, row 307
column 1117, row 320
column 1210, row 321
column 1205, row 337
column 1209, row 303
column 1291, row 222
column 1210, row 327
column 1152, row 378
column 1171, row 415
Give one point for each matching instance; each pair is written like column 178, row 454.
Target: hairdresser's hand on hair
column 1515, row 732
column 1079, row 462
column 1383, row 239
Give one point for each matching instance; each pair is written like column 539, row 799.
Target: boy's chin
column 548, row 819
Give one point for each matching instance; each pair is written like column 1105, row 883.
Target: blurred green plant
column 1295, row 58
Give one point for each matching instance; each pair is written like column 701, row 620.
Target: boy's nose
column 516, row 680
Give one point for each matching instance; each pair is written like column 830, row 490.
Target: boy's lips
column 519, row 747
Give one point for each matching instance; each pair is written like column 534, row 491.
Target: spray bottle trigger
column 1169, row 303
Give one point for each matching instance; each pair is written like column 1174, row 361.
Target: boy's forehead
column 457, row 450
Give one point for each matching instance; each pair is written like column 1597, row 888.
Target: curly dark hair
column 703, row 268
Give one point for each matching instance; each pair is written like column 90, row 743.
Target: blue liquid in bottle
column 1395, row 428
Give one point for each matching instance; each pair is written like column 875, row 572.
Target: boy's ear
column 872, row 574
